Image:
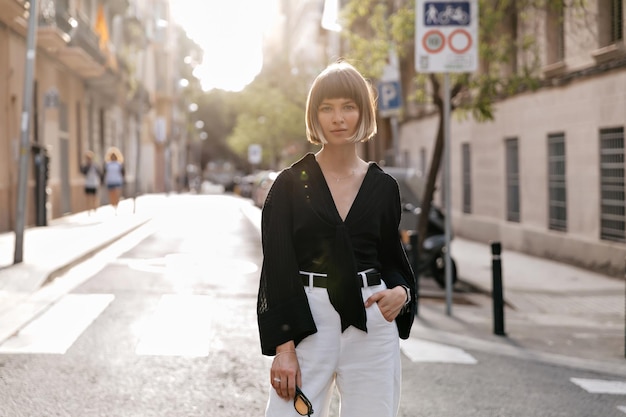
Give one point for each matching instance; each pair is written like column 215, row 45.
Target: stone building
column 105, row 75
column 546, row 176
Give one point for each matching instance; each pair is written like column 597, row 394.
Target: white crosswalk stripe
column 179, row 327
column 600, row 386
column 424, row 351
column 57, row 329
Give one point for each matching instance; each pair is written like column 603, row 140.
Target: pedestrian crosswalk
column 181, row 325
column 57, row 329
column 600, row 386
column 425, row 351
column 178, row 327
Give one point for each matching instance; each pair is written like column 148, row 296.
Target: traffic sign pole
column 446, row 41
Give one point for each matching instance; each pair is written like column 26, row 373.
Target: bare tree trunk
column 429, row 190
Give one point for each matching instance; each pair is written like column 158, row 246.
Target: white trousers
column 365, row 367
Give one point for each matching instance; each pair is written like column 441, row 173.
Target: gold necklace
column 337, row 179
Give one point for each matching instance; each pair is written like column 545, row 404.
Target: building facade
column 104, row 77
column 546, row 176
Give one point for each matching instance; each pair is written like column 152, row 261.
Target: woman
column 92, row 174
column 114, row 175
column 335, row 276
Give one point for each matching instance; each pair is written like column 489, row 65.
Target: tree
column 271, row 114
column 509, row 63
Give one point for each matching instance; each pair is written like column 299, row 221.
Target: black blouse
column 302, row 230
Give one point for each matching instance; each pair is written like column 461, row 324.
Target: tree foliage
column 509, row 63
column 270, row 113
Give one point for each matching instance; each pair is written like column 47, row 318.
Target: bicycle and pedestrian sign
column 446, row 36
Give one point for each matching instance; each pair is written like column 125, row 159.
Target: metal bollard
column 498, row 298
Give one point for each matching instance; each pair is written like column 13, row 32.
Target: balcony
column 82, row 54
column 53, row 31
column 12, row 11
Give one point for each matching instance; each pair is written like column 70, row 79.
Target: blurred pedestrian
column 336, row 289
column 93, row 174
column 114, row 175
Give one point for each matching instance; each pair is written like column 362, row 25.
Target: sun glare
column 231, row 35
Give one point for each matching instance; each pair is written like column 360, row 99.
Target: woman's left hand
column 390, row 302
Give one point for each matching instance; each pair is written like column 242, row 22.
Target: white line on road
column 57, row 329
column 622, row 408
column 425, row 351
column 180, row 326
column 600, row 386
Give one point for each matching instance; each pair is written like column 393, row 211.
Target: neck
column 339, row 165
column 342, row 157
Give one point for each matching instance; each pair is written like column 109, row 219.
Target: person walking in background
column 114, row 175
column 92, row 172
column 336, row 289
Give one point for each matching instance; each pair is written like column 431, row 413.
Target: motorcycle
column 430, row 260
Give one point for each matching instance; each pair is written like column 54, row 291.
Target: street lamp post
column 27, row 100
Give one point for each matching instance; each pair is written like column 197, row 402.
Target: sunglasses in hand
column 302, row 404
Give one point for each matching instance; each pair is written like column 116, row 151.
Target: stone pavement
column 555, row 313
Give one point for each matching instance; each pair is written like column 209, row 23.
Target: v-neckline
column 330, row 194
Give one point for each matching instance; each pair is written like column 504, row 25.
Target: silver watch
column 408, row 294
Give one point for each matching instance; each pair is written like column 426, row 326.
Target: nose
column 337, row 116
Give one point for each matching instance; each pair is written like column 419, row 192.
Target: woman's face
column 339, row 118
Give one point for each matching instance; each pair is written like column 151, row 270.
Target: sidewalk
column 554, row 312
column 51, row 250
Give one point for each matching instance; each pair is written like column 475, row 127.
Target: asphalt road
column 166, row 326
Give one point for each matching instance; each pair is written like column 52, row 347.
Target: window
column 467, row 178
column 555, row 31
column 617, row 20
column 512, row 181
column 611, row 21
column 557, row 190
column 612, row 216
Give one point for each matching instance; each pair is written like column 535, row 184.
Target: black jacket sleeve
column 283, row 312
column 396, row 269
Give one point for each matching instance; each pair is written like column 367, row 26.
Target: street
column 164, row 324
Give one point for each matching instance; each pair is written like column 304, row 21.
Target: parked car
column 262, row 185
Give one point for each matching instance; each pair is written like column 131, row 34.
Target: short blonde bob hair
column 341, row 80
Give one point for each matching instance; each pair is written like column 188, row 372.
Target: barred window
column 612, row 215
column 512, row 180
column 467, row 179
column 617, row 20
column 557, row 189
column 610, row 22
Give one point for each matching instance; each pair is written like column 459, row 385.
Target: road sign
column 389, row 98
column 446, row 36
column 255, row 154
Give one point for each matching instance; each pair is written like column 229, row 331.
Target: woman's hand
column 390, row 302
column 285, row 372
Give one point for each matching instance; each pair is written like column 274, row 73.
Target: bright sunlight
column 231, row 35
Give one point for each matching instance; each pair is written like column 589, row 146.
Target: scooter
column 431, row 259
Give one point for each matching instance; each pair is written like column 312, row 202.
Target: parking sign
column 389, row 98
column 446, row 36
